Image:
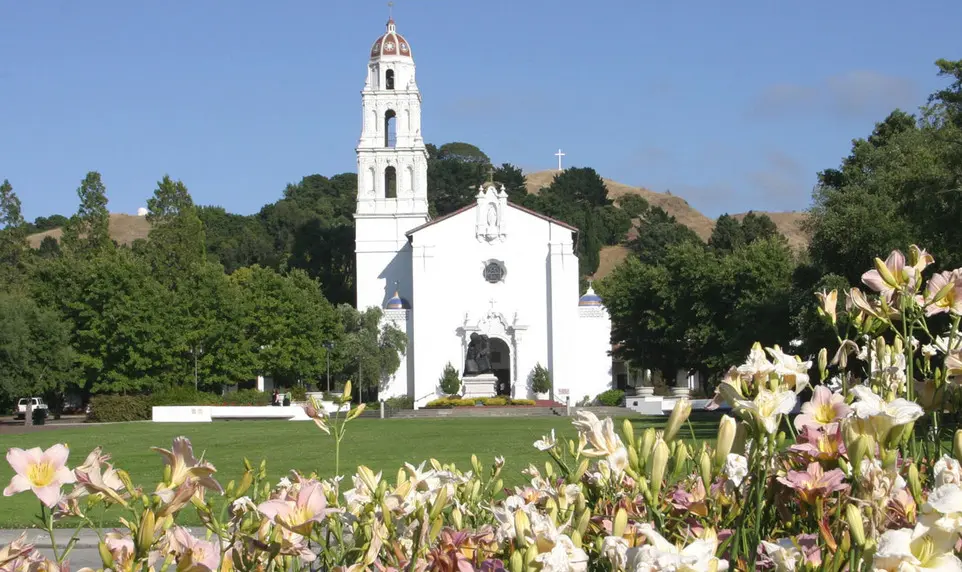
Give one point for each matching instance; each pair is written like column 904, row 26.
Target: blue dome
column 397, row 303
column 590, row 298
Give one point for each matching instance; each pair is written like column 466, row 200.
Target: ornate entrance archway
column 501, row 364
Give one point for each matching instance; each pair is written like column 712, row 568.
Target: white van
column 37, row 404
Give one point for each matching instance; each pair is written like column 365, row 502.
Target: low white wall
column 181, row 414
column 207, row 413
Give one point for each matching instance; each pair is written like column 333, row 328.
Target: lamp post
column 328, row 346
column 194, row 351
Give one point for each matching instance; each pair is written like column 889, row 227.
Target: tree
column 88, row 231
column 758, row 227
column 35, row 354
column 657, row 231
column 176, row 240
column 286, row 322
column 369, row 351
column 49, row 247
column 13, row 243
column 632, row 204
column 450, row 381
column 728, row 234
column 124, row 324
column 513, row 179
column 463, row 152
column 949, row 99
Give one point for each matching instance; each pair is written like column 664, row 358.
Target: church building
column 491, row 268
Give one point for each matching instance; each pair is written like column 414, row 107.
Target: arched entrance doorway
column 501, row 365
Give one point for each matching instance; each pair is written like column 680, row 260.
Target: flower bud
column 628, row 430
column 633, row 459
column 855, row 525
column 516, row 563
column 105, row 555
column 576, row 538
column 704, row 465
column 857, row 451
column 885, row 273
column 726, row 438
column 915, row 483
column 584, row 521
column 957, row 445
column 679, row 414
column 145, row 533
column 620, row 522
column 822, row 364
column 659, row 461
column 530, row 555
column 456, row 517
column 679, row 460
column 521, row 525
column 245, row 483
column 647, row 442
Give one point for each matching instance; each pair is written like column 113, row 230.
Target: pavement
column 84, row 553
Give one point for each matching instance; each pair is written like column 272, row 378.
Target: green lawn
column 383, row 445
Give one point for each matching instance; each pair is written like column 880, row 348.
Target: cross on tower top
column 559, row 155
column 390, row 10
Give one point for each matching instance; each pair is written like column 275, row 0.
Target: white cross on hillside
column 559, row 155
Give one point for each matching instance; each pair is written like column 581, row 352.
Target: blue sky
column 731, row 105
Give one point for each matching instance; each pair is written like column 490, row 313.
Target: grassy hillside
column 124, row 228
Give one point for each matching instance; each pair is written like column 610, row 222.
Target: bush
column 522, row 402
column 113, row 408
column 450, row 382
column 494, row 401
column 399, row 402
column 611, row 398
column 182, row 396
column 299, row 393
column 540, row 380
column 246, row 397
column 449, row 402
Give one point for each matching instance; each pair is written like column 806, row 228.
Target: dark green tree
column 13, row 237
column 36, row 358
column 728, row 234
column 632, row 204
column 176, row 240
column 88, row 231
column 656, row 232
column 369, row 352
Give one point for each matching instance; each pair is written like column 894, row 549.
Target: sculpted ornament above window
column 494, row 271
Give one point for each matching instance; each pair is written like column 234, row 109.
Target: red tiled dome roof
column 390, row 44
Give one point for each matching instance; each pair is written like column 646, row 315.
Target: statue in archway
column 477, row 359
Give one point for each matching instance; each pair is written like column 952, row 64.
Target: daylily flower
column 93, row 479
column 659, row 554
column 546, row 442
column 184, row 468
column 948, row 471
column 192, row 553
column 943, row 293
column 563, row 556
column 825, row 408
column 827, row 303
column 781, row 556
column 121, row 548
column 814, row 483
column 298, row 514
column 820, row 443
column 943, row 509
column 891, row 276
column 768, row 407
column 16, row 550
column 603, row 439
column 791, row 369
column 878, row 417
column 736, row 468
column 42, row 472
column 756, row 367
column 953, row 365
column 905, row 549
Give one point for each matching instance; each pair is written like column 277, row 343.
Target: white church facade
column 491, row 268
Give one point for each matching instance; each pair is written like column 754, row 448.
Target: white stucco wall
column 595, row 373
column 451, row 297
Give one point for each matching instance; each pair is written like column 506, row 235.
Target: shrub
column 182, row 396
column 522, row 402
column 399, row 402
column 540, row 379
column 246, row 397
column 610, row 398
column 299, row 393
column 450, row 382
column 114, row 408
column 494, row 401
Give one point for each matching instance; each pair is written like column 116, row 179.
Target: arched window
column 390, row 128
column 389, row 79
column 390, row 183
column 371, row 181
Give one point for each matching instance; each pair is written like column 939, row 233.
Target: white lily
column 790, row 368
column 881, row 416
column 659, row 554
column 768, row 407
column 906, row 550
column 546, row 442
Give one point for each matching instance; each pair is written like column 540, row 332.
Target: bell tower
column 392, row 171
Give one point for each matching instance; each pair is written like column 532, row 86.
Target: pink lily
column 891, row 276
column 951, row 298
column 42, row 472
column 93, row 479
column 825, row 408
column 192, row 553
column 184, row 467
column 814, row 483
column 298, row 515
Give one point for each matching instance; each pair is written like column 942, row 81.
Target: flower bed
column 848, row 485
column 449, row 402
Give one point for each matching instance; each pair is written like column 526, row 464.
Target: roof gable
column 474, row 205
